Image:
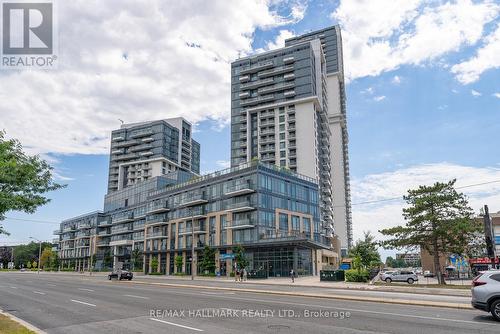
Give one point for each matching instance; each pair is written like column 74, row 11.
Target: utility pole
column 90, row 254
column 192, row 245
column 39, row 253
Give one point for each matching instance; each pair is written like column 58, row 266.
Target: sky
column 423, row 93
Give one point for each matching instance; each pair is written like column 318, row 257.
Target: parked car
column 486, row 292
column 402, row 276
column 427, row 273
column 385, row 274
column 123, row 274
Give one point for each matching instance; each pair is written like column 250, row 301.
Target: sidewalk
column 306, row 282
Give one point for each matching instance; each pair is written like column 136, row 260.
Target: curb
column 313, row 295
column 22, row 322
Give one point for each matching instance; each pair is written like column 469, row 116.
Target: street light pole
column 39, row 253
column 192, row 245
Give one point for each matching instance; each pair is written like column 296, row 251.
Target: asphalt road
column 65, row 304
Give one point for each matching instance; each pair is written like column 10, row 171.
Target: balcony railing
column 258, row 99
column 277, row 70
column 158, row 207
column 239, row 189
column 197, row 230
column 123, row 217
column 240, row 206
column 157, row 235
column 257, row 83
column 195, row 199
column 241, row 224
column 141, row 133
column 257, row 67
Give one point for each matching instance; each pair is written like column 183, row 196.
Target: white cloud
column 382, row 35
column 375, row 187
column 497, row 95
column 223, row 163
column 454, row 91
column 369, row 90
column 278, row 42
column 144, row 61
column 475, row 93
column 379, row 98
column 487, row 57
column 396, row 80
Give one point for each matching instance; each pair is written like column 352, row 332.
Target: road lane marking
column 13, row 287
column 80, row 302
column 83, row 289
column 38, row 292
column 343, row 309
column 134, row 296
column 173, row 324
column 51, row 284
column 217, row 293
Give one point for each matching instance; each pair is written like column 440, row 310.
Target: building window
column 295, row 223
column 283, row 222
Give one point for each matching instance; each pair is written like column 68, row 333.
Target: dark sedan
column 122, row 274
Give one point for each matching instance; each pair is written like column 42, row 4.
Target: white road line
column 13, row 287
column 51, row 284
column 134, row 296
column 80, row 302
column 83, row 289
column 350, row 309
column 38, row 292
column 217, row 293
column 182, row 326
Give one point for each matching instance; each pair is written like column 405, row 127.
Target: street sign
column 226, row 256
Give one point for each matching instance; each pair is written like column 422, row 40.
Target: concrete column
column 159, row 263
column 150, row 269
column 167, row 264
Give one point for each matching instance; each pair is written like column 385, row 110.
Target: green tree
column 34, row 265
column 367, row 251
column 136, row 259
column 54, row 261
column 178, row 263
column 47, row 257
column 438, row 219
column 239, row 256
column 28, row 252
column 28, row 264
column 208, row 260
column 24, row 179
column 154, row 264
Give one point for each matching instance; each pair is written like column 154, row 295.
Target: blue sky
column 423, row 99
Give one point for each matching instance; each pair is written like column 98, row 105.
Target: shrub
column 179, row 274
column 353, row 275
column 155, row 273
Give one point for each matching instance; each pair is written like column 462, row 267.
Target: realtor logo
column 28, row 33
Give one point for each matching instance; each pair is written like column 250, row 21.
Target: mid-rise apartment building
column 273, row 214
column 141, row 151
column 288, row 108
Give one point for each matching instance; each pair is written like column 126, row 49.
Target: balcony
column 118, row 151
column 197, row 230
column 121, row 242
column 289, row 76
column 241, row 224
column 257, row 67
column 146, row 154
column 289, row 93
column 240, row 206
column 55, row 241
column 157, row 208
column 141, row 133
column 102, row 243
column 239, row 189
column 147, row 139
column 123, row 217
column 141, row 147
column 118, row 138
column 126, row 157
column 121, row 230
column 156, row 219
column 103, row 232
column 57, row 232
column 244, row 95
column 275, row 88
column 257, row 83
column 276, row 70
column 124, row 143
column 244, row 78
column 192, row 200
column 106, row 222
column 157, row 235
column 69, row 229
column 258, row 99
column 288, row 60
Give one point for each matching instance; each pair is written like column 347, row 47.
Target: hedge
column 353, row 275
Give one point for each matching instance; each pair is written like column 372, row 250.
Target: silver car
column 402, row 276
column 385, row 274
column 486, row 292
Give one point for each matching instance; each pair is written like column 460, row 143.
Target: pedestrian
column 292, row 275
column 245, row 274
column 236, row 275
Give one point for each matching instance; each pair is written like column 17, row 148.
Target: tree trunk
column 437, row 265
